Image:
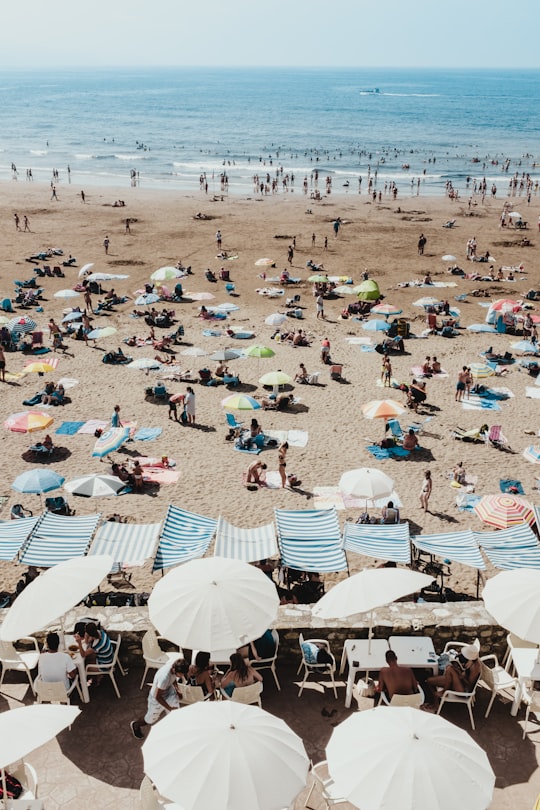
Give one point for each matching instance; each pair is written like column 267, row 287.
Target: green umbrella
column 259, row 351
column 318, row 279
column 275, row 378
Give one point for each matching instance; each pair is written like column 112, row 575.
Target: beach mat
column 387, row 452
column 91, row 425
column 476, row 403
column 511, row 486
column 69, row 428
column 416, row 371
column 147, row 434
column 297, row 438
column 467, row 502
column 157, row 475
column 273, row 480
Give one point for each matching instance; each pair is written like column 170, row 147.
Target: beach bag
column 183, row 417
column 13, row 787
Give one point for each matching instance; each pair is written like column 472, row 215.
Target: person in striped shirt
column 98, row 649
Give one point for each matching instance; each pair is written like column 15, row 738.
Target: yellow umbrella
column 275, row 378
column 28, row 421
column 38, row 368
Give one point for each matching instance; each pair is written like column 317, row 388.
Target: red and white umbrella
column 504, row 511
column 505, row 305
column 386, row 310
column 383, row 409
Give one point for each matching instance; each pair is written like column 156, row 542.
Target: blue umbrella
column 376, row 326
column 525, row 346
column 147, row 298
column 37, row 481
column 72, row 316
column 481, row 327
column 110, row 440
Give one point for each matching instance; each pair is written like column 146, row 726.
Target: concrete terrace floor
column 99, row 763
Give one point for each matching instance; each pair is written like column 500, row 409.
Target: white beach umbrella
column 106, row 276
column 434, row 764
column 144, row 363
column 213, row 604
column 366, row 482
column 276, row 319
column 101, row 332
column 146, row 299
column 225, row 756
column 85, row 269
column 513, row 599
column 72, row 316
column 48, row 597
column 67, row 294
column 95, row 486
column 227, row 307
column 166, row 274
column 194, row 351
column 449, row 258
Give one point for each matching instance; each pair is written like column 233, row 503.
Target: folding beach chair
column 396, row 430
column 497, row 439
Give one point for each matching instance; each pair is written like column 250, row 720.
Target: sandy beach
column 380, row 237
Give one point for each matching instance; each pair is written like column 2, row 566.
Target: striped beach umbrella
column 102, row 332
column 504, row 511
column 109, row 441
column 66, row 294
column 532, row 453
column 240, row 402
column 95, row 486
column 21, row 325
column 480, row 371
column 504, row 305
column 386, row 310
column 37, row 481
column 383, row 409
column 38, row 368
column 28, row 421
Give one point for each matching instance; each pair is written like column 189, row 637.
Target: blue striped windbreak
column 185, row 536
column 384, row 542
column 310, row 540
column 13, row 534
column 516, row 547
column 248, row 545
column 59, row 537
column 456, row 546
column 127, row 543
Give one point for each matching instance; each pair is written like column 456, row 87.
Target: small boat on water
column 372, row 91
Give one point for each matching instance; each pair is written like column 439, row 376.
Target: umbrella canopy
column 276, row 319
column 199, row 296
column 72, row 316
column 226, row 307
column 49, row 596
column 504, row 511
column 434, row 763
column 368, row 290
column 376, row 326
column 525, row 347
column 318, row 278
column 383, row 409
column 532, row 453
column 225, row 354
column 95, row 486
column 505, row 305
column 66, row 294
column 265, row 262
column 213, row 604
column 386, row 310
column 25, row 729
column 37, row 481
column 345, row 289
column 448, row 258
column 481, row 327
column 426, row 301
column 514, row 215
column 275, row 378
column 146, row 299
column 480, row 371
column 106, row 276
column 166, row 274
column 253, row 760
column 28, row 421
column 370, row 589
column 240, row 402
column 194, row 351
column 4, row 320
column 85, row 269
column 21, row 325
column 109, row 441
column 144, row 363
column 102, row 332
column 512, row 598
column 259, row 351
column 366, row 482
column 38, row 368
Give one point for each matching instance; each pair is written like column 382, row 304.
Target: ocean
column 163, row 128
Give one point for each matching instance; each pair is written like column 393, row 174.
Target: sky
column 303, row 33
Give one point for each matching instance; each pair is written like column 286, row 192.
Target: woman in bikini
column 282, row 461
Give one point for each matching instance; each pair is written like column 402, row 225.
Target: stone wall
column 462, row 621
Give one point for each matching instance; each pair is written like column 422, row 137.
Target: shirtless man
column 461, row 383
column 255, row 472
column 395, row 679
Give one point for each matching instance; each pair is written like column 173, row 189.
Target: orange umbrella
column 28, row 421
column 504, row 511
column 383, row 409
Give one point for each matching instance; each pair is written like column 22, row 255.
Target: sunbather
column 256, row 473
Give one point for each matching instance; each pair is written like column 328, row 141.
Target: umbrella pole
column 4, row 788
column 370, row 631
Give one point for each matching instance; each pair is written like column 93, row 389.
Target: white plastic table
column 78, row 660
column 362, row 656
column 416, row 652
column 527, row 666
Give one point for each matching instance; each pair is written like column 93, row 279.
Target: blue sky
column 349, row 33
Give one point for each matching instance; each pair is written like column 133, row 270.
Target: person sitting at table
column 240, row 673
column 55, row 666
column 461, row 674
column 164, row 695
column 98, row 652
column 395, row 679
column 200, row 673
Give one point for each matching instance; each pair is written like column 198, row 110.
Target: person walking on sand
column 83, row 196
column 421, row 244
column 87, row 301
column 218, row 239
column 106, row 244
column 320, row 306
column 2, row 365
column 461, row 383
column 282, row 463
column 290, row 254
column 54, row 195
column 115, row 418
column 425, row 492
column 26, row 223
column 17, row 222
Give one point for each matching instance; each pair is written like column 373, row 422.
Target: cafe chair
column 192, row 694
column 249, row 695
column 269, row 663
column 465, row 698
column 23, row 661
column 532, row 700
column 414, row 701
column 55, row 691
column 154, row 656
column 27, row 776
column 93, row 669
column 457, row 646
column 312, row 668
column 148, row 796
column 323, row 782
column 495, row 678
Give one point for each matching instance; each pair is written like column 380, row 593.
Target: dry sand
column 380, row 237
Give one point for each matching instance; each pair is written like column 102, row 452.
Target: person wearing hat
column 164, row 695
column 461, row 674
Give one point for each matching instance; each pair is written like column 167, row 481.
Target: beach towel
column 393, row 383
column 147, row 434
column 365, row 348
column 279, row 435
column 92, row 425
column 254, row 450
column 273, row 480
column 69, row 428
column 511, row 486
column 476, row 403
column 387, row 452
column 416, row 371
column 466, row 502
column 496, row 393
column 297, row 438
column 157, row 475
column 532, row 393
column 212, row 333
column 359, row 341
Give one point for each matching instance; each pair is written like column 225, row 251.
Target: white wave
column 84, row 157
column 413, row 95
column 38, row 151
column 136, row 156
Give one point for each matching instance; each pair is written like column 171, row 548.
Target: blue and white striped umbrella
column 532, row 453
column 37, row 481
column 21, row 325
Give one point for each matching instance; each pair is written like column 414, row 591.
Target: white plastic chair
column 192, row 694
column 317, row 669
column 24, row 661
column 27, row 776
column 55, row 691
column 414, row 701
column 269, row 663
column 154, row 656
column 246, row 694
column 93, row 669
column 458, row 645
column 495, row 678
column 465, row 698
column 325, row 785
column 532, row 700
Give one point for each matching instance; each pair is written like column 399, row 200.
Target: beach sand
column 380, row 237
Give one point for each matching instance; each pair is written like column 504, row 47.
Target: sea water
column 163, row 128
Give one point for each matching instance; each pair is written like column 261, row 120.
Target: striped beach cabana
column 386, row 542
column 13, row 535
column 248, row 545
column 511, row 548
column 59, row 537
column 310, row 540
column 185, row 536
column 127, row 543
column 456, row 546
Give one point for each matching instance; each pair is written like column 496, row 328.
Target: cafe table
column 527, row 668
column 362, row 655
column 416, row 652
